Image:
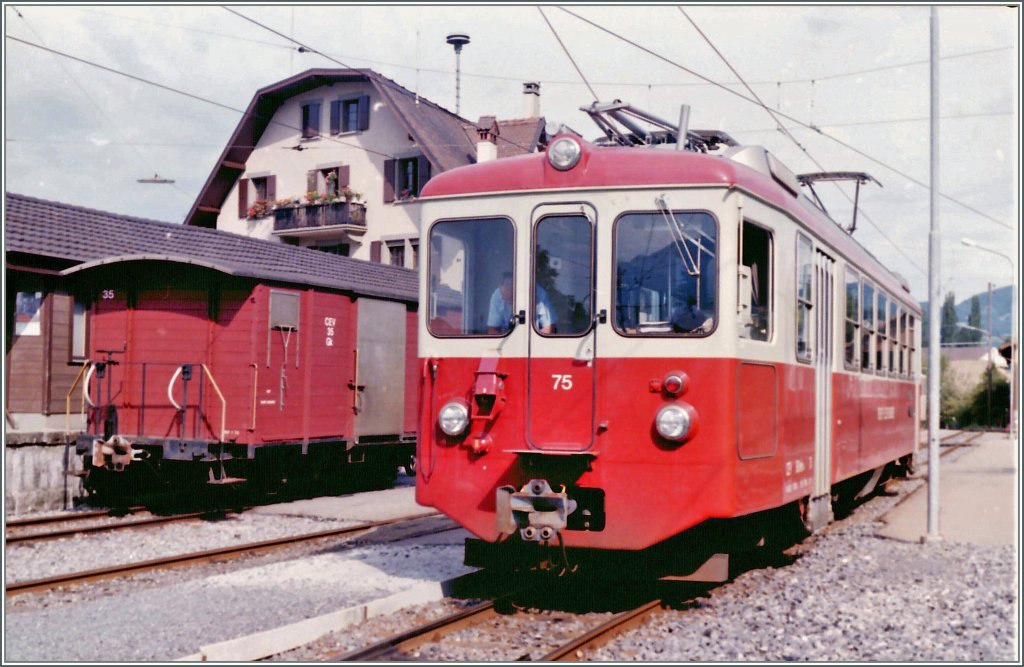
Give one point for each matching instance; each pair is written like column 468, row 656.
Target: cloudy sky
column 77, row 133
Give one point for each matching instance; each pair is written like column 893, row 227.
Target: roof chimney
column 531, row 99
column 487, row 144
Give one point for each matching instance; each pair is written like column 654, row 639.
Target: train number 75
column 563, row 382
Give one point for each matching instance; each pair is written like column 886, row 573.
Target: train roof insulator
column 622, row 125
column 858, row 177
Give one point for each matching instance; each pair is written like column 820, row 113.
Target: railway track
column 69, row 517
column 482, row 616
column 192, row 558
column 24, row 531
column 405, row 645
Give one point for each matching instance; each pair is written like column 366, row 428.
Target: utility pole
column 988, row 354
column 935, row 296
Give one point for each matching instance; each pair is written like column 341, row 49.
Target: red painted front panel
column 561, row 404
column 654, row 489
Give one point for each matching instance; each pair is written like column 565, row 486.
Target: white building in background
column 334, row 159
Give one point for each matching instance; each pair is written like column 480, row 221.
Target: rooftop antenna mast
column 458, row 40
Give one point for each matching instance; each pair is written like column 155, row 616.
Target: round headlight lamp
column 672, row 422
column 453, row 418
column 564, row 153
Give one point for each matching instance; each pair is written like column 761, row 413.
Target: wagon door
column 379, row 384
column 824, row 334
column 561, row 333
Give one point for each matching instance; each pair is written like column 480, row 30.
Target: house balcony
column 321, row 220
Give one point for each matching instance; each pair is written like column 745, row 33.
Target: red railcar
column 253, row 362
column 687, row 340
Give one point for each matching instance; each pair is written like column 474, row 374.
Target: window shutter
column 314, row 118
column 343, row 176
column 271, row 189
column 243, row 197
column 311, row 181
column 364, row 112
column 375, row 251
column 422, row 173
column 335, row 116
column 389, row 181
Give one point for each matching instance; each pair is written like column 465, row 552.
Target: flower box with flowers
column 260, row 208
column 318, row 209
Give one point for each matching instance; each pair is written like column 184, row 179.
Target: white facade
column 282, row 153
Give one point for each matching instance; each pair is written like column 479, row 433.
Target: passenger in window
column 690, row 319
column 499, row 317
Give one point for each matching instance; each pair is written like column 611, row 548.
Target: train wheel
column 410, row 466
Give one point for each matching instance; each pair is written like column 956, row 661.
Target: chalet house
column 334, row 159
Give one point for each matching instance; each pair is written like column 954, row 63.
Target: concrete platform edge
column 277, row 640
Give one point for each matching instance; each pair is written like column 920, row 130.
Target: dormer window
column 310, row 120
column 350, row 114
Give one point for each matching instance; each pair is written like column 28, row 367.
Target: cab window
column 472, row 287
column 666, row 273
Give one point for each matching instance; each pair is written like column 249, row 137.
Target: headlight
column 453, row 418
column 564, row 153
column 672, row 422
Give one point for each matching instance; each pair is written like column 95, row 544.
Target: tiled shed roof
column 51, row 229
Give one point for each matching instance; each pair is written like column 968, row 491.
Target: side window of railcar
column 562, row 280
column 881, row 332
column 755, row 282
column 894, row 339
column 911, row 346
column 867, row 326
column 851, row 358
column 472, row 291
column 666, row 274
column 804, row 272
column 903, row 342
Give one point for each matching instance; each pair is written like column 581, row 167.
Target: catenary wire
column 338, row 62
column 185, row 93
column 102, row 114
column 498, row 77
column 786, row 133
column 788, row 117
column 567, row 53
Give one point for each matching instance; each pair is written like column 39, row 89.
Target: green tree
column 974, row 410
column 948, row 332
column 974, row 319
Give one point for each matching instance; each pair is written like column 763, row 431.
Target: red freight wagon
column 630, row 344
column 256, row 361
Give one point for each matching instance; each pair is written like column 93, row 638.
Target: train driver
column 499, row 317
column 690, row 318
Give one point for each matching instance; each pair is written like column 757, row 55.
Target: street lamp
column 1013, row 327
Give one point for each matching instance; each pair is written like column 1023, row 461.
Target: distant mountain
column 1002, row 300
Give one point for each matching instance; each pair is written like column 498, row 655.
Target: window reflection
column 563, row 252
column 469, row 262
column 666, row 273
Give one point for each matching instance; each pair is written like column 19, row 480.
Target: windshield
column 666, row 277
column 471, row 277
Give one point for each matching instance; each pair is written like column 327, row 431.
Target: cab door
column 561, row 350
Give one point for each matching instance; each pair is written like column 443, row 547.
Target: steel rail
column 75, row 516
column 39, row 537
column 573, row 650
column 391, row 649
column 225, row 553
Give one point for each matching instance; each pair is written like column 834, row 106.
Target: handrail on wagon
column 223, row 404
column 67, row 403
